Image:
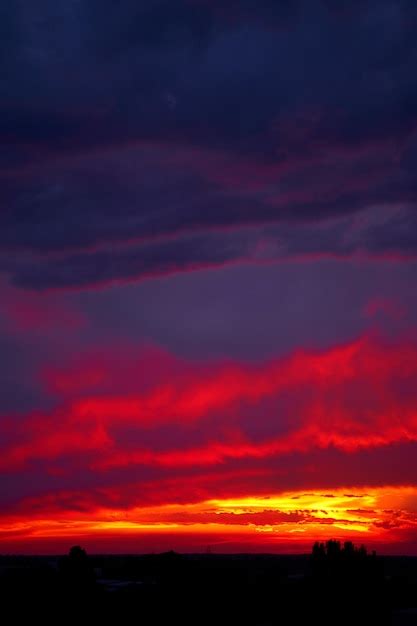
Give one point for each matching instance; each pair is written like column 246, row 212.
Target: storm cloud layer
column 151, row 138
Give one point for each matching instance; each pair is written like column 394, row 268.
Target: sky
column 208, row 271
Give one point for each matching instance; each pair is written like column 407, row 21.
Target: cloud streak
column 353, row 396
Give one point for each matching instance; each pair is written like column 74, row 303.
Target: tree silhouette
column 334, row 561
column 77, row 571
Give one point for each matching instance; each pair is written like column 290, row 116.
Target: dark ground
column 257, row 590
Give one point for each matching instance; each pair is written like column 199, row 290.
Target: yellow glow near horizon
column 292, row 501
column 379, row 512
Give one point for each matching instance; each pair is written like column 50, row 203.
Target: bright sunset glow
column 375, row 516
column 340, row 409
column 208, row 275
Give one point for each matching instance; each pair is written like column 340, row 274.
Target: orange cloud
column 372, row 515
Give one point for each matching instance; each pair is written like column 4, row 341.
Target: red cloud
column 43, row 313
column 357, row 395
column 386, row 307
